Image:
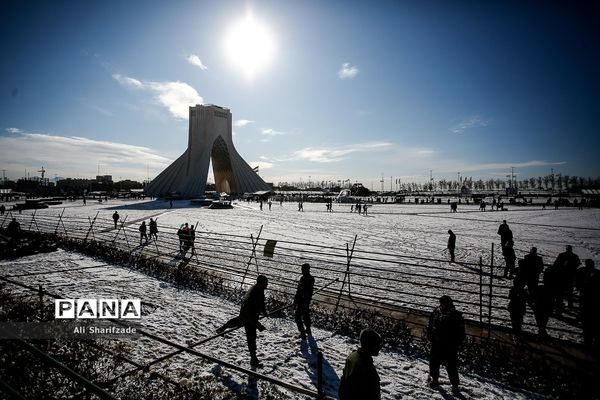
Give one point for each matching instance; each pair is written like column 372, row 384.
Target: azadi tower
column 209, row 138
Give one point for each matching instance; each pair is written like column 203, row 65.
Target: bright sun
column 249, row 45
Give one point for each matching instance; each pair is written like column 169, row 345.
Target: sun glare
column 249, row 45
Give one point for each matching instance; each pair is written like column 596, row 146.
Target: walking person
column 446, row 331
column 510, row 259
column 182, row 234
column 270, row 203
column 304, row 293
column 532, row 266
column 13, row 230
column 566, row 264
column 252, row 306
column 192, row 238
column 517, row 305
column 143, row 234
column 115, row 218
column 360, row 380
column 505, row 233
column 451, row 244
column 153, row 229
column 2, row 209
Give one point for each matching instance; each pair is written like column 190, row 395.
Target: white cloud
column 504, row 166
column 469, row 123
column 13, row 130
column 242, row 122
column 424, row 152
column 347, row 71
column 127, row 81
column 196, row 61
column 175, row 96
column 67, row 156
column 272, row 132
column 328, row 155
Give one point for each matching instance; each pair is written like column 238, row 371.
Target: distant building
column 104, row 178
column 209, row 138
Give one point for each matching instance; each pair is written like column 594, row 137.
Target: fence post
column 320, row 374
column 349, row 254
column 58, row 222
column 491, row 292
column 252, row 256
column 480, row 290
column 41, row 295
column 92, row 222
column 4, row 220
column 32, row 221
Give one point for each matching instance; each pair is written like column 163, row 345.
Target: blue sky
column 352, row 90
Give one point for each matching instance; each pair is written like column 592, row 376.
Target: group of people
column 144, row 229
column 187, row 236
column 558, row 283
column 359, row 207
column 329, row 205
column 360, row 380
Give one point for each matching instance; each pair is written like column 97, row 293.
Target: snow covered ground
column 406, row 230
column 418, row 230
column 185, row 316
column 409, row 230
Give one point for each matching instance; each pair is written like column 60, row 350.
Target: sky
column 319, row 91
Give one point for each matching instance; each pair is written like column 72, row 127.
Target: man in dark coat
column 116, row 218
column 304, row 294
column 252, row 306
column 360, row 380
column 153, row 229
column 446, row 331
column 532, row 266
column 451, row 244
column 517, row 305
column 13, row 230
column 566, row 265
column 510, row 258
column 505, row 233
column 143, row 234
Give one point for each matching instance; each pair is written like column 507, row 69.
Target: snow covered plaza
column 398, row 261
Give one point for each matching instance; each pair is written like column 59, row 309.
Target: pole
column 480, row 290
column 491, row 289
column 252, row 255
column 58, row 222
column 91, row 226
column 41, row 303
column 347, row 273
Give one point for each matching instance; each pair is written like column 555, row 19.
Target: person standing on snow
column 115, row 218
column 304, row 294
column 446, row 331
column 451, row 244
column 252, row 306
column 360, row 380
column 505, row 233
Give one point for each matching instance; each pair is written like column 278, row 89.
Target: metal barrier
column 379, row 279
